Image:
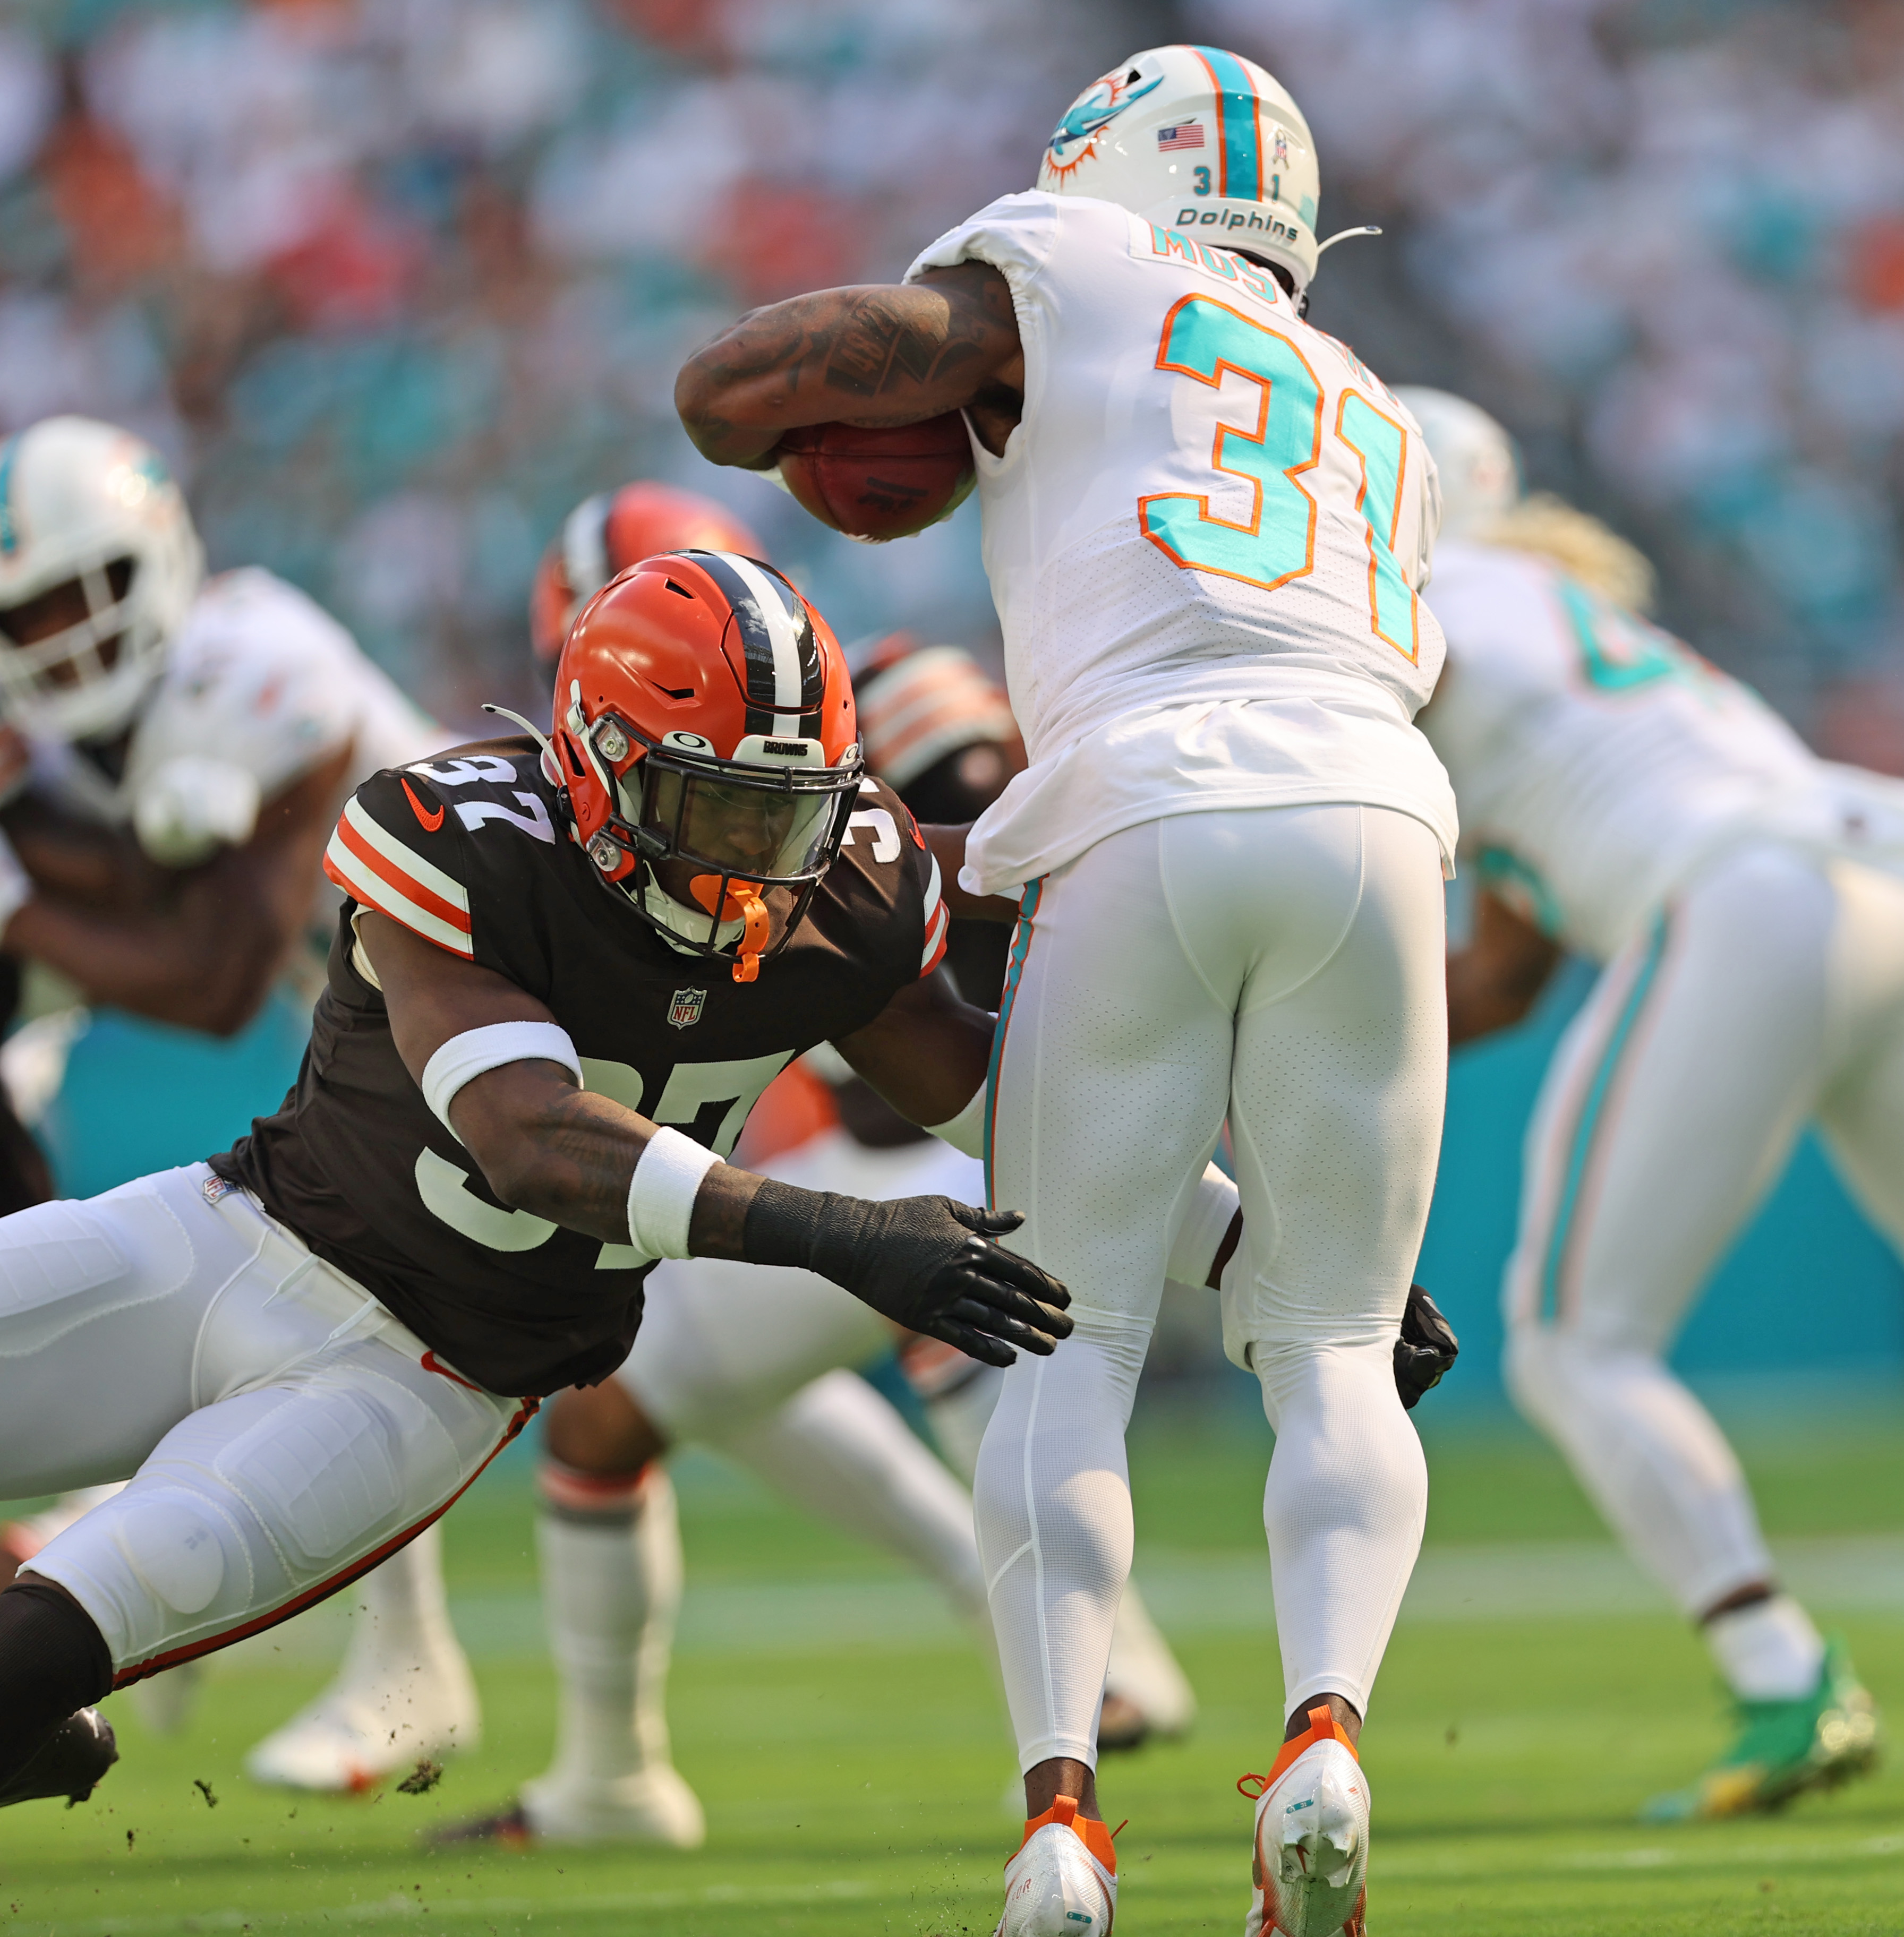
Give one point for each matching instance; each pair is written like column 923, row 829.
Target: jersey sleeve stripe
column 355, row 877
column 933, row 898
column 373, row 838
column 936, row 932
column 456, row 913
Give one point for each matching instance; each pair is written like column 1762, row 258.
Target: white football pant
column 1771, row 991
column 281, row 1430
column 1282, row 968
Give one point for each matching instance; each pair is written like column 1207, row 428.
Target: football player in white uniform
column 1622, row 798
column 1205, row 523
column 179, row 746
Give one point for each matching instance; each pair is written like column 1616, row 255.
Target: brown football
column 879, row 484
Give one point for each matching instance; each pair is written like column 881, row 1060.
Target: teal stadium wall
column 1809, row 1285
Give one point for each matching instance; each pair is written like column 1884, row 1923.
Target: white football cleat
column 653, row 1805
column 1063, row 1881
column 363, row 1728
column 403, row 1695
column 1311, row 1862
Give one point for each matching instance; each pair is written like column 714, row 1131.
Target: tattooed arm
column 877, row 353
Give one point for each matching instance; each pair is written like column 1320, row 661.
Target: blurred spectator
column 396, row 282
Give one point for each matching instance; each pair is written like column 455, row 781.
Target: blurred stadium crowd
column 397, row 281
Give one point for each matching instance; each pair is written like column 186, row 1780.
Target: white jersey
column 260, row 686
column 1598, row 762
column 1205, row 540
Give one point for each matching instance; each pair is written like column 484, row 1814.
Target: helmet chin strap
column 742, row 903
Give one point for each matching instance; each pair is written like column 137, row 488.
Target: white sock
column 1650, row 1457
column 1053, row 1496
column 402, row 1620
column 1343, row 1507
column 611, row 1556
column 1767, row 1652
column 842, row 1451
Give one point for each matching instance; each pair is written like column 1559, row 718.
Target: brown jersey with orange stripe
column 471, row 850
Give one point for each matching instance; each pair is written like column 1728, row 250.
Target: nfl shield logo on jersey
column 685, row 1009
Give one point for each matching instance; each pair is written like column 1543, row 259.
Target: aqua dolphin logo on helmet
column 1091, row 111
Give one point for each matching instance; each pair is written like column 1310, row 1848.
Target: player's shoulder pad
column 398, row 849
column 881, row 835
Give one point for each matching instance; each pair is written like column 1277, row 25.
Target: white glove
column 16, row 884
column 191, row 807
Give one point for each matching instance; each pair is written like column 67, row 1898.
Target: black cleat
column 509, row 1828
column 71, row 1764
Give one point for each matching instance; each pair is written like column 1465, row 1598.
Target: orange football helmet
column 705, row 732
column 604, row 535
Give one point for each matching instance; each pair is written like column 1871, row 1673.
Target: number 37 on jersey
column 1277, row 449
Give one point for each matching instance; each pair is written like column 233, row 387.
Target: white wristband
column 967, row 1131
column 463, row 1058
column 661, row 1193
column 1200, row 1235
column 16, row 884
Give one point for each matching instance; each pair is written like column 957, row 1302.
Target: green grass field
column 851, row 1751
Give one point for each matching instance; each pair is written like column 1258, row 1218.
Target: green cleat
column 1783, row 1749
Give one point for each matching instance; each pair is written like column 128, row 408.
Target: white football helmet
column 89, row 512
column 1480, row 468
column 1191, row 137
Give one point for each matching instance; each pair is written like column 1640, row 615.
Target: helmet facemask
column 77, row 656
column 720, row 855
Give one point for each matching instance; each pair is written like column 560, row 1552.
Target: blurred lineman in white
column 175, row 750
column 1621, row 797
column 1205, row 525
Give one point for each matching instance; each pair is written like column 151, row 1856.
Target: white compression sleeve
column 1205, row 1224
column 967, row 1131
column 661, row 1193
column 463, row 1058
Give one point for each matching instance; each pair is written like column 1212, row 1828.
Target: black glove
column 925, row 1263
column 1427, row 1348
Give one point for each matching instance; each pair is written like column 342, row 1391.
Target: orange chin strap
column 743, row 904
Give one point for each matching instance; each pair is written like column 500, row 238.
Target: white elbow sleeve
column 967, row 1131
column 661, row 1194
column 1205, row 1224
column 463, row 1058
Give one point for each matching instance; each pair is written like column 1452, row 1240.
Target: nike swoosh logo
column 429, row 1361
column 432, row 822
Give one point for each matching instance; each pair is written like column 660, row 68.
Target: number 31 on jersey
column 1205, row 340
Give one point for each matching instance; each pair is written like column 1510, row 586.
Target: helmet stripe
column 585, row 549
column 9, row 528
column 784, row 677
column 1238, row 134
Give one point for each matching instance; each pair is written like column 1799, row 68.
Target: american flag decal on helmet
column 784, row 676
column 1184, row 135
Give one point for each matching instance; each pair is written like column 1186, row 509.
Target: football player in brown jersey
column 563, row 974
column 405, row 1689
